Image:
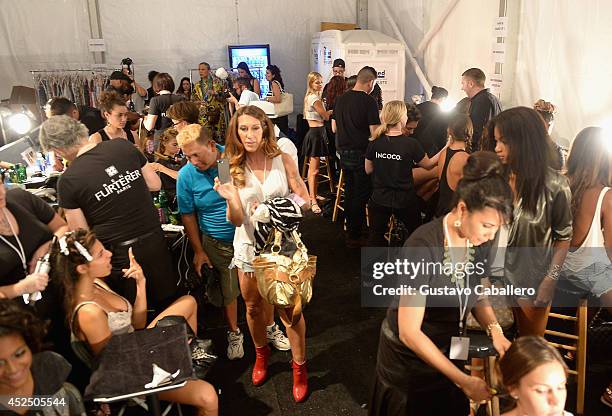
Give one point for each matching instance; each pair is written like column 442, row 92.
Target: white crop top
column 309, row 111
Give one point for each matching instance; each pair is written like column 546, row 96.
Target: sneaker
column 234, row 345
column 202, row 360
column 277, row 338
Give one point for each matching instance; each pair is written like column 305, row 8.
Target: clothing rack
column 81, row 86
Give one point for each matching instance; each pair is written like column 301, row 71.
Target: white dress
column 275, row 184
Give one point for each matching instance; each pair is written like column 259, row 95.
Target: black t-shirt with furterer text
column 354, row 112
column 106, row 183
column 393, row 159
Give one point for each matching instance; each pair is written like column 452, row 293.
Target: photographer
column 241, row 86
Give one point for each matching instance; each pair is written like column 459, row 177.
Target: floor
column 342, row 338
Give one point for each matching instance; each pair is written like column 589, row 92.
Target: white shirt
column 246, row 97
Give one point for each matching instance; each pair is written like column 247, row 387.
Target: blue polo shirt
column 195, row 194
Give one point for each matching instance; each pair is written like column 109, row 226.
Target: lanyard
column 462, row 306
column 20, row 251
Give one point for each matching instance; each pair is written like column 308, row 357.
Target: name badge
column 460, row 348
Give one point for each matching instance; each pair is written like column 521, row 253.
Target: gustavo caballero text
column 32, row 402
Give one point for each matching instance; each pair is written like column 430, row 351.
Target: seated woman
column 25, row 372
column 418, row 338
column 115, row 111
column 96, row 313
column 535, row 375
column 167, row 163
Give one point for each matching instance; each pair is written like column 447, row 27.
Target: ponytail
column 391, row 114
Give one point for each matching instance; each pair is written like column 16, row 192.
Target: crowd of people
column 476, row 184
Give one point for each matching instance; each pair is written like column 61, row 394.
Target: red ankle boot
column 260, row 369
column 300, row 381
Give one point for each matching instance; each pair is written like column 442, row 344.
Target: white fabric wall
column 559, row 52
column 162, row 35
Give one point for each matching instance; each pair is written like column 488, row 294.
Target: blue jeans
column 357, row 190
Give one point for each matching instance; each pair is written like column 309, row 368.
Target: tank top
column 106, row 137
column 592, row 250
column 270, row 92
column 309, row 111
column 275, row 184
column 446, row 193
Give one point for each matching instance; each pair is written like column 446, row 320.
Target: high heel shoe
column 300, row 381
column 260, row 369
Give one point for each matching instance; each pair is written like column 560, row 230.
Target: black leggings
column 379, row 217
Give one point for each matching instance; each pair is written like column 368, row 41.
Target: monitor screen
column 257, row 57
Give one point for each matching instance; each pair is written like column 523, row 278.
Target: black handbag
column 126, row 363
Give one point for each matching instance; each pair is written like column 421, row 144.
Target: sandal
column 315, row 208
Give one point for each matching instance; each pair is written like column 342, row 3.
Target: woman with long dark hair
column 540, row 235
column 245, row 72
column 184, row 88
column 334, row 89
column 414, row 372
column 277, row 87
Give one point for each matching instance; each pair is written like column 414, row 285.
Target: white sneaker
column 277, row 338
column 234, row 345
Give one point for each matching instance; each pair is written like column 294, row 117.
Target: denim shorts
column 595, row 279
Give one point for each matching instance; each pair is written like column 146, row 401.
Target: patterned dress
column 212, row 106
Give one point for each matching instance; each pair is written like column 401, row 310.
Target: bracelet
column 554, row 272
column 494, row 325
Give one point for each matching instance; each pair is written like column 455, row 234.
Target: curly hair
column 109, row 99
column 164, row 138
column 234, row 149
column 16, row 319
column 545, row 109
column 64, row 267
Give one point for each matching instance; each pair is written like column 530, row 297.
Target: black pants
column 379, row 215
column 357, row 190
column 282, row 123
column 153, row 255
column 332, row 159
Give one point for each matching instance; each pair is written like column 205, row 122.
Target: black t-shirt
column 150, row 95
column 107, row 184
column 484, row 106
column 354, row 112
column 158, row 107
column 393, row 159
column 32, row 215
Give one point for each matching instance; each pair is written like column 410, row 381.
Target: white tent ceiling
column 556, row 49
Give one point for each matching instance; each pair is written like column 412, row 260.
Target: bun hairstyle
column 438, row 92
column 109, row 99
column 546, row 109
column 484, row 185
column 525, row 355
column 65, row 257
column 16, row 319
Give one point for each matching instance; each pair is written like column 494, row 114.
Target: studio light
column 447, row 105
column 20, row 123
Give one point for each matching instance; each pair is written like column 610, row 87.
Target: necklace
column 457, row 274
column 20, row 251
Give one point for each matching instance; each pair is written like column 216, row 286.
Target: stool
column 482, row 347
column 579, row 346
column 339, row 196
column 325, row 177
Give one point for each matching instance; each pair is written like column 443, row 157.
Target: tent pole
column 95, row 28
column 417, row 69
column 362, row 14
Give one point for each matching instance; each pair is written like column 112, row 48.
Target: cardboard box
column 337, row 26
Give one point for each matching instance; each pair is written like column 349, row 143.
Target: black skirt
column 406, row 386
column 315, row 142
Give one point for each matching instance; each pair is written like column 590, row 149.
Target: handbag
column 284, row 276
column 285, row 107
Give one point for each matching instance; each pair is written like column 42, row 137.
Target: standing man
column 208, row 94
column 483, row 105
column 107, row 188
column 204, row 215
column 354, row 122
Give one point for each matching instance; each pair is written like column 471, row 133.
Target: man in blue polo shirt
column 204, row 215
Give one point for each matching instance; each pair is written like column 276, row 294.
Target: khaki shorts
column 225, row 290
